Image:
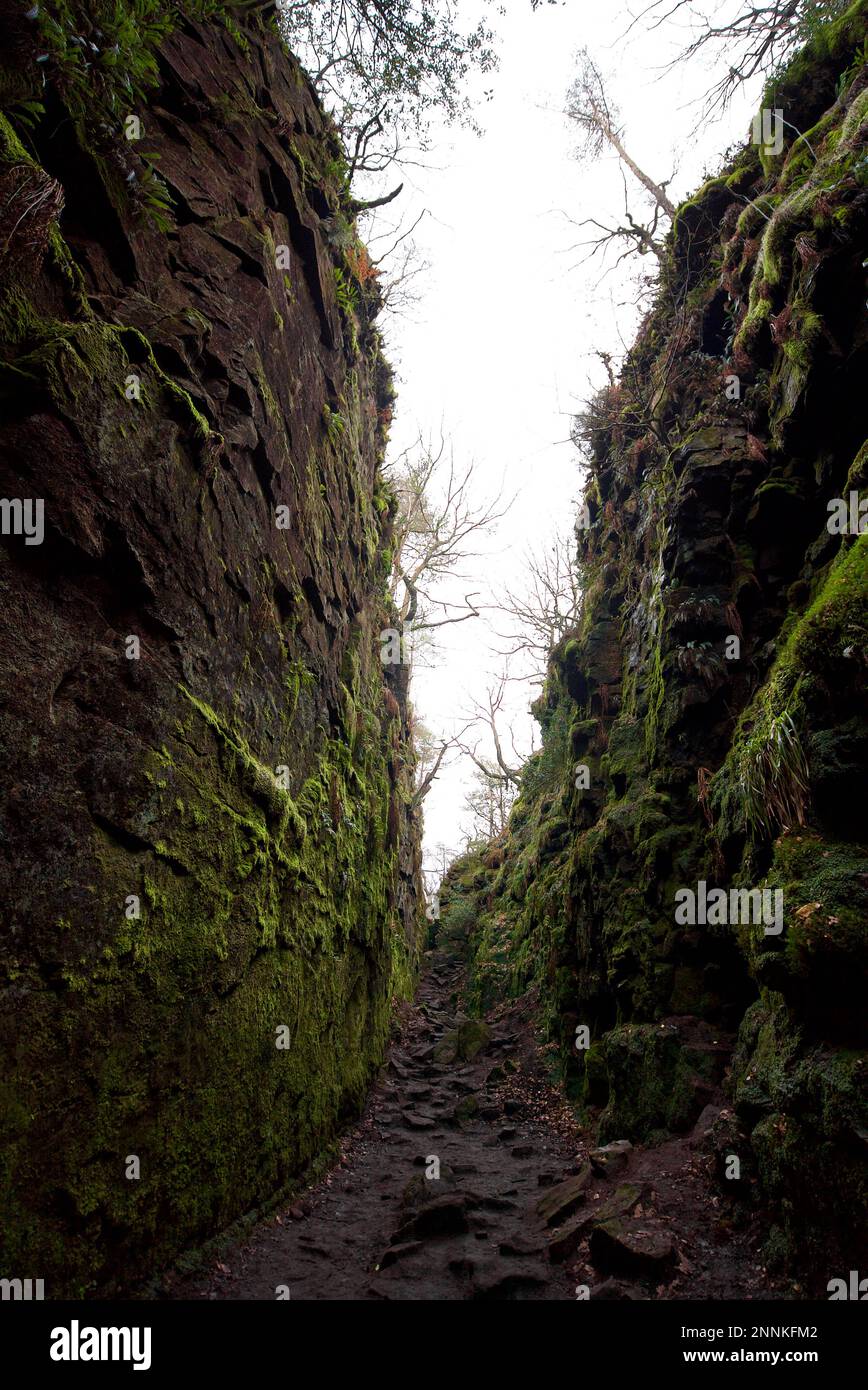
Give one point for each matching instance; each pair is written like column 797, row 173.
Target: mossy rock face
column 805, row 1106
column 820, row 964
column 203, row 938
column 595, row 1089
column 457, row 917
column 687, row 990
column 712, row 692
column 837, row 758
column 651, row 1085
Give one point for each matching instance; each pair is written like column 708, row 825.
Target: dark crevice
column 89, row 217
column 312, row 594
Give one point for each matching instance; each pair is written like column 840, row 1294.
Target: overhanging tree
column 386, row 68
column 596, row 118
column 753, row 37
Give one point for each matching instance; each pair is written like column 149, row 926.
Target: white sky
column 499, row 348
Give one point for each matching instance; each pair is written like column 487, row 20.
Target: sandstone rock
column 399, row 1252
column 569, row 1235
column 413, row 1120
column 421, row 1191
column 519, row 1247
column 446, row 1051
column 473, row 1037
column 463, row 1043
column 611, row 1158
column 465, row 1109
column 560, row 1201
column 445, row 1216
column 634, row 1247
column 206, row 429
column 610, row 1291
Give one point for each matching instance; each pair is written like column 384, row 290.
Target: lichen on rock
column 706, row 720
column 210, row 861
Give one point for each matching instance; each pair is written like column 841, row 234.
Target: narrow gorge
column 705, row 727
column 624, row 1057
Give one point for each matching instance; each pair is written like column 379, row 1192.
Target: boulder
column 463, row 1043
column 633, row 1247
column 561, row 1201
column 567, row 1238
column 611, row 1158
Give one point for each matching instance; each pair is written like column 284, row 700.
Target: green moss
column 796, row 1098
column 74, row 359
column 334, row 423
column 648, row 1083
column 257, row 912
column 263, row 905
column 765, row 780
column 573, row 903
column 694, row 204
column 856, row 120
column 806, row 329
column 835, row 626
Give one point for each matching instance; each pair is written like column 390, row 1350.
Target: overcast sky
column 500, row 346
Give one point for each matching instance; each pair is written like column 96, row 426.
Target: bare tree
column 637, row 238
column 753, row 36
column 438, row 521
column 399, row 262
column 547, row 604
column 485, row 713
column 489, row 801
column 437, row 525
column 433, row 874
column 431, row 753
column 595, row 116
column 439, row 862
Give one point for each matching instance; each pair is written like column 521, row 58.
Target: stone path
column 467, row 1178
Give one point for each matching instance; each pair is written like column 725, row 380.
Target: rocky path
column 468, row 1178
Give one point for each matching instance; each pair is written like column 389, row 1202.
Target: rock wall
column 208, row 858
column 706, row 723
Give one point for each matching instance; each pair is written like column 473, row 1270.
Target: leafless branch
column 546, row 606
column 754, row 41
column 589, row 108
column 437, row 525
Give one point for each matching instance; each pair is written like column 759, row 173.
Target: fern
column 773, row 778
